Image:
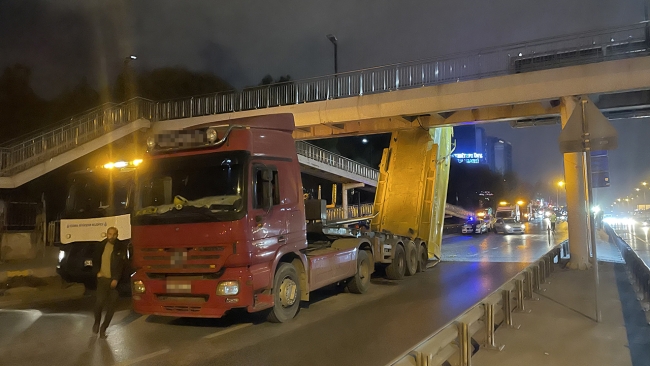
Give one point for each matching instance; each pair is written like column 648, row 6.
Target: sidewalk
column 560, row 330
column 29, row 282
column 42, row 266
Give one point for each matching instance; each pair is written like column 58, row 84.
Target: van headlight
column 523, row 226
column 228, row 288
column 508, row 227
column 61, row 255
column 138, row 287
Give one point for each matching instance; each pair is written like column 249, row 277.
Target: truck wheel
column 360, row 282
column 286, row 294
column 395, row 270
column 424, row 258
column 411, row 259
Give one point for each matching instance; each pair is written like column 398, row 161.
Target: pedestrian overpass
column 520, row 83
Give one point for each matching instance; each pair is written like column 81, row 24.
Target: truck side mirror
column 267, row 189
column 267, row 200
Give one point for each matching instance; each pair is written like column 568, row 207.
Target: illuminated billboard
column 469, row 158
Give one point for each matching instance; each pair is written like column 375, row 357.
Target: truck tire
column 286, row 294
column 412, row 257
column 359, row 283
column 395, row 270
column 423, row 255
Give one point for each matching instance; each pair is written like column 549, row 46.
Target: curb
column 35, row 272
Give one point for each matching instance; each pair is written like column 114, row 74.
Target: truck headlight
column 138, row 287
column 61, row 255
column 228, row 288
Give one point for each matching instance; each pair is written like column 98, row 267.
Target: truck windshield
column 196, row 188
column 98, row 195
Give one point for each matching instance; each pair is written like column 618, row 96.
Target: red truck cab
column 219, row 223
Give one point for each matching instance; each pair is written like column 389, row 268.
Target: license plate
column 88, row 263
column 178, row 286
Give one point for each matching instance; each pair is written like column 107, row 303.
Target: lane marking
column 228, row 330
column 142, row 358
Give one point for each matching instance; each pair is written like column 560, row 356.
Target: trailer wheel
column 423, row 254
column 395, row 270
column 286, row 294
column 360, row 282
column 412, row 255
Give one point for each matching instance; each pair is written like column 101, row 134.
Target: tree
column 176, row 82
column 73, row 101
column 21, row 110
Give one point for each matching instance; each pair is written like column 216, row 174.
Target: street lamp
column 557, row 192
column 333, row 39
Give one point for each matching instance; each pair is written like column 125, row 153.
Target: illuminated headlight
column 211, row 134
column 61, row 255
column 228, row 288
column 138, row 287
column 523, row 226
column 151, row 142
column 508, row 227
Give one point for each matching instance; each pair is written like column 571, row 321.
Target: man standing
column 109, row 261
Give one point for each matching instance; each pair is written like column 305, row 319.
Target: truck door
column 268, row 217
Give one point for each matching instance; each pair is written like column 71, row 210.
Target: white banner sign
column 73, row 230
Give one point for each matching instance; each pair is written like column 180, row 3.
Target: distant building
column 499, row 155
column 470, row 144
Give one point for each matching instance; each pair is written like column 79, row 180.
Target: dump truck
column 220, row 222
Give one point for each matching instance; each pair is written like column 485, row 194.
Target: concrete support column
column 575, row 198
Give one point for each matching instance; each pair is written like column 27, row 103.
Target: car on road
column 474, row 226
column 509, row 226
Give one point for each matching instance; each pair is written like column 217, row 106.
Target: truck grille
column 183, row 309
column 182, row 258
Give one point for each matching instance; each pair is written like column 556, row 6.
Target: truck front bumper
column 192, row 296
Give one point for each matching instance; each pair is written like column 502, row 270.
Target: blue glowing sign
column 469, row 158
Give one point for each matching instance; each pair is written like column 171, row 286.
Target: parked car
column 509, row 226
column 474, row 226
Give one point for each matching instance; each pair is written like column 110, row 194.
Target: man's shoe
column 102, row 334
column 95, row 328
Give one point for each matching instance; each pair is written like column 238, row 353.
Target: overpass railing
column 587, row 47
column 453, row 344
column 30, row 150
column 331, row 159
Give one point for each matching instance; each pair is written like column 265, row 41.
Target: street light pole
column 333, row 39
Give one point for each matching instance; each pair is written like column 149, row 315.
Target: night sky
column 65, row 40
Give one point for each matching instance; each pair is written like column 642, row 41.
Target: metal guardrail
column 37, row 148
column 337, row 213
column 453, row 343
column 637, row 270
column 587, row 47
column 327, row 157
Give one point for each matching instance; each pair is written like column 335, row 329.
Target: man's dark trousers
column 106, row 299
